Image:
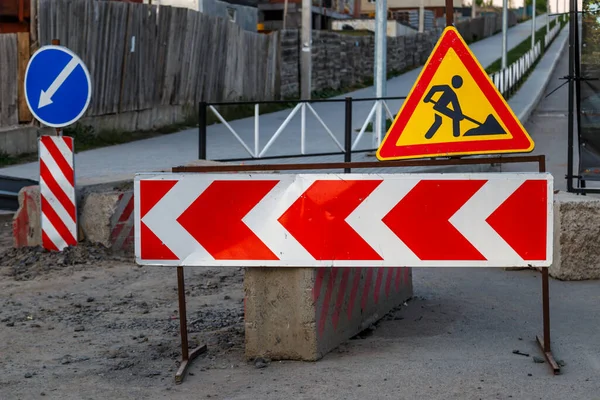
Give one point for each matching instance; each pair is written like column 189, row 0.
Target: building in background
column 438, row 7
column 279, row 14
column 14, row 16
column 241, row 12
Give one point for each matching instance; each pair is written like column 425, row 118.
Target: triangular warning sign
column 453, row 109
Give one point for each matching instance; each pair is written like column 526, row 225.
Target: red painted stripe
column 152, row 248
column 58, row 224
column 47, row 243
column 521, row 220
column 221, row 208
column 398, row 278
column 58, row 158
column 340, row 297
column 388, row 281
column 357, row 272
column 68, row 141
column 366, row 288
column 318, row 283
column 378, row 284
column 117, row 230
column 317, row 220
column 128, row 242
column 151, row 192
column 327, row 299
column 56, row 190
column 127, row 211
column 422, row 217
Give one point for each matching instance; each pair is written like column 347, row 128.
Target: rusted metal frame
column 186, row 356
column 544, row 342
column 360, row 164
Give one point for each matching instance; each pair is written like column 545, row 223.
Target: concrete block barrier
column 26, row 224
column 576, row 237
column 303, row 313
column 107, row 218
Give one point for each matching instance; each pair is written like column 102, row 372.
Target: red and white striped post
column 57, row 192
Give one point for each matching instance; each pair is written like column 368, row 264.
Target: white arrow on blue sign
column 58, row 87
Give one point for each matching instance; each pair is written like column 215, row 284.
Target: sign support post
column 186, row 356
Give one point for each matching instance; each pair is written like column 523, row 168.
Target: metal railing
column 304, row 107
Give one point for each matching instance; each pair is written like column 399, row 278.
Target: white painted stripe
column 470, row 220
column 367, row 219
column 58, row 208
column 52, row 234
column 162, row 220
column 263, row 219
column 57, row 173
column 64, row 149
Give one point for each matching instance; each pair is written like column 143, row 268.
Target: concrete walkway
column 159, row 153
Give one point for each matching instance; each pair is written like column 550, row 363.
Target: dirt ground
column 91, row 318
column 85, row 324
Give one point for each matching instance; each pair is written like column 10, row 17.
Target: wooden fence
column 8, row 80
column 141, row 56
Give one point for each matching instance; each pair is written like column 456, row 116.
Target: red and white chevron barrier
column 57, row 190
column 436, row 220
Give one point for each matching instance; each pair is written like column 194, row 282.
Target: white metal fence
column 508, row 79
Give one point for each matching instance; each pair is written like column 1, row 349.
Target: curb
column 530, row 107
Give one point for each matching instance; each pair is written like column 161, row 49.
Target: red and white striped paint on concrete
column 352, row 292
column 122, row 227
column 57, row 192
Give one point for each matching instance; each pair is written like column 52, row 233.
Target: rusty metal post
column 449, row 13
column 544, row 342
column 186, row 356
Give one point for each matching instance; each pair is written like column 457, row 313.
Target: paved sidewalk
column 123, row 161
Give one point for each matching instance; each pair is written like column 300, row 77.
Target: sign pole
column 186, row 356
column 450, row 13
column 380, row 68
column 544, row 342
column 504, row 31
column 56, row 42
column 533, row 14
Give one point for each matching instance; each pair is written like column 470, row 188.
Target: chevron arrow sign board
column 352, row 220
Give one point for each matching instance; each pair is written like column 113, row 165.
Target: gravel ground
column 86, row 324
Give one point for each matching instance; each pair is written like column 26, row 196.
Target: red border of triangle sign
column 520, row 142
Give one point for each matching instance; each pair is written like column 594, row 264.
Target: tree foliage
column 541, row 6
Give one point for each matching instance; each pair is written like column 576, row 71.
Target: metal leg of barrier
column 544, row 341
column 186, row 356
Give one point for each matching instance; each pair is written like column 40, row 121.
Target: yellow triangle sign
column 453, row 109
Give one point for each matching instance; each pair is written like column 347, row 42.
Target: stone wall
column 342, row 60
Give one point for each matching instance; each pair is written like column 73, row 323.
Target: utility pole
column 305, row 59
column 533, row 13
column 449, row 13
column 547, row 16
column 380, row 68
column 421, row 16
column 474, row 9
column 504, row 31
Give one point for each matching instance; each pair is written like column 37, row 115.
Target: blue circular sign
column 58, row 87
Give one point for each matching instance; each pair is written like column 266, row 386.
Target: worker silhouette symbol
column 448, row 105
